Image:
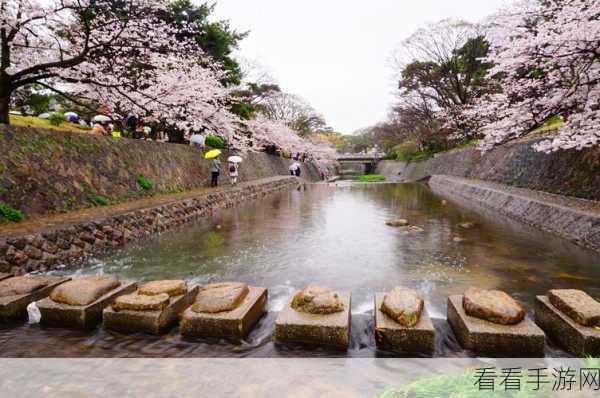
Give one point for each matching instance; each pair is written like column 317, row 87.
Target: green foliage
column 144, row 183
column 550, row 125
column 38, row 103
column 8, row 214
column 243, row 109
column 99, row 200
column 214, row 141
column 57, row 118
column 372, row 178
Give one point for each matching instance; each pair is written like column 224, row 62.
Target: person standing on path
column 215, row 170
column 233, row 173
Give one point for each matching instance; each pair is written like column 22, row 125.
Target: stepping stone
column 4, row 276
column 522, row 340
column 573, row 337
column 79, row 303
column 138, row 312
column 391, row 335
column 230, row 323
column 18, row 292
column 332, row 330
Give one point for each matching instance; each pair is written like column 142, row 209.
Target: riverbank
column 48, row 242
column 50, row 172
column 575, row 220
column 570, row 173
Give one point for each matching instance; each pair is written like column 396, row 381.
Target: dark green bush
column 56, row 119
column 214, row 141
column 9, row 214
column 144, row 183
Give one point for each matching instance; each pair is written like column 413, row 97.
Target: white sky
column 334, row 52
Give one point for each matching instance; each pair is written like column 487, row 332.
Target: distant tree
column 292, row 110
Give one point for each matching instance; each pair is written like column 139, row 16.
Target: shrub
column 57, row 118
column 214, row 141
column 371, row 178
column 144, row 183
column 9, row 214
column 99, row 200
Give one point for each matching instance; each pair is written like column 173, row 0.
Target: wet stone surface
column 493, row 305
column 317, row 300
column 403, row 305
column 577, row 304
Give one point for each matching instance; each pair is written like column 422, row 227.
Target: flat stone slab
column 4, row 276
column 577, row 304
column 80, row 316
column 331, row 330
column 236, row 323
column 578, row 340
column 152, row 322
column 523, row 340
column 390, row 335
column 14, row 307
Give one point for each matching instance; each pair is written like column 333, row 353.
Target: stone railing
column 68, row 244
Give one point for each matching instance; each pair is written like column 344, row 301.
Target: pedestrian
column 98, row 129
column 215, row 170
column 292, row 169
column 131, row 122
column 233, row 172
column 298, row 171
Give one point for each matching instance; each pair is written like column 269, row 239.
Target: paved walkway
column 95, row 213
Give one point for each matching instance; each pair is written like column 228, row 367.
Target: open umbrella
column 71, row 114
column 212, row 154
column 101, row 119
column 44, row 115
column 234, row 159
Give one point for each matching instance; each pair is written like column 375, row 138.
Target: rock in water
column 220, row 297
column 141, row 302
column 577, row 305
column 397, row 223
column 493, row 305
column 403, row 305
column 317, row 300
column 21, row 285
column 84, row 291
column 172, row 288
column 467, row 225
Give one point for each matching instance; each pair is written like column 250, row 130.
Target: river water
column 333, row 235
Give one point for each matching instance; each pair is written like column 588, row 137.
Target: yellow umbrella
column 212, row 154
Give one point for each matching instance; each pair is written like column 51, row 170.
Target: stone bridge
column 352, row 166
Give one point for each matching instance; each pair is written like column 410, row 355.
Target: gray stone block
column 524, row 340
column 390, row 335
column 235, row 324
column 15, row 307
column 578, row 340
column 80, row 316
column 153, row 322
column 331, row 330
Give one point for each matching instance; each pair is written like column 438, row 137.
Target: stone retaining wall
column 71, row 243
column 49, row 172
column 573, row 219
column 570, row 173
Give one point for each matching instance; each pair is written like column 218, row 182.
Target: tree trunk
column 5, row 94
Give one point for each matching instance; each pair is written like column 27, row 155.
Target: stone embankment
column 571, row 173
column 576, row 220
column 23, row 249
column 50, row 172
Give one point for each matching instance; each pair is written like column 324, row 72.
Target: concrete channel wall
column 576, row 220
column 66, row 244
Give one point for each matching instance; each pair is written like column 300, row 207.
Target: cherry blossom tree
column 550, row 67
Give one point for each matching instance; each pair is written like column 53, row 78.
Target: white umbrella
column 44, row 115
column 235, row 159
column 71, row 114
column 101, row 119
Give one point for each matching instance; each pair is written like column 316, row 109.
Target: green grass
column 98, row 200
column 32, row 121
column 552, row 124
column 144, row 183
column 8, row 214
column 371, row 178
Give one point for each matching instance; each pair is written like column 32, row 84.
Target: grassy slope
column 32, row 121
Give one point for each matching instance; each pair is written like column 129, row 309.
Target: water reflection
column 335, row 236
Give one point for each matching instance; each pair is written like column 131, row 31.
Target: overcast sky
column 334, row 52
